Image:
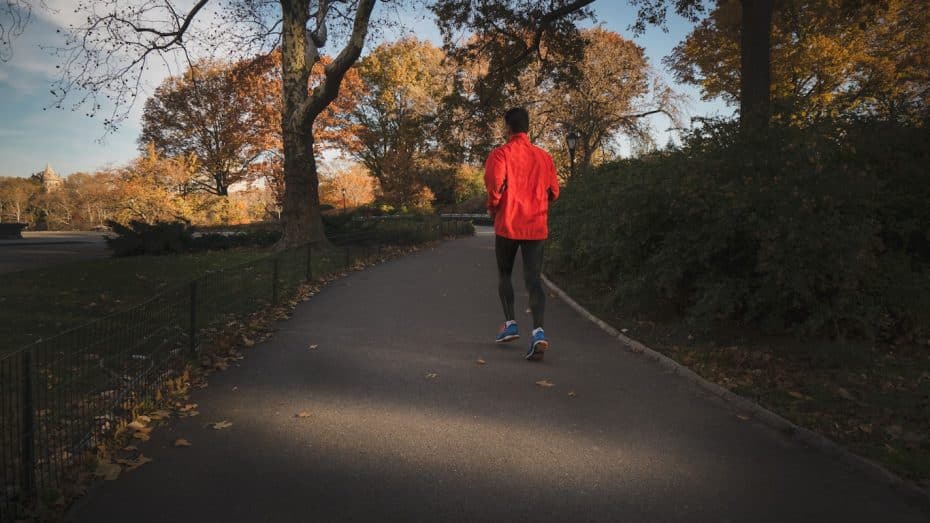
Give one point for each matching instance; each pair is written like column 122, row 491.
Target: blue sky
column 71, row 142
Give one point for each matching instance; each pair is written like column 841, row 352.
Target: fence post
column 28, row 429
column 309, row 262
column 193, row 331
column 347, row 258
column 274, row 281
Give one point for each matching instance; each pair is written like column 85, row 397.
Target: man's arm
column 553, row 188
column 495, row 175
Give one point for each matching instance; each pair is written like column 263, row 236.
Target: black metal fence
column 62, row 396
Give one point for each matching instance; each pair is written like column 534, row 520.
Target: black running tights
column 532, row 253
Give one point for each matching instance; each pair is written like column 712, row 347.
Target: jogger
column 521, row 181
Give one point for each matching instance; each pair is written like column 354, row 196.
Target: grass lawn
column 872, row 398
column 43, row 302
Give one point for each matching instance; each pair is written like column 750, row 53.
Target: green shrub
column 215, row 241
column 822, row 230
column 140, row 238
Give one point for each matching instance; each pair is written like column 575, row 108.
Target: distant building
column 49, row 179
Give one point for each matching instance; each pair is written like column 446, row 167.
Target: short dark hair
column 518, row 120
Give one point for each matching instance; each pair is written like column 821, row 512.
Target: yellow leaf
column 219, row 425
column 181, row 442
column 545, row 383
column 302, row 414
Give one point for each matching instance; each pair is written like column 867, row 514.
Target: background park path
column 385, row 442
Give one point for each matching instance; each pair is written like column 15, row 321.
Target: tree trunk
column 301, row 214
column 755, row 64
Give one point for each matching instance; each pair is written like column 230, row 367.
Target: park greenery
column 803, row 218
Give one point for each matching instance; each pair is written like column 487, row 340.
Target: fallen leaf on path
column 130, row 448
column 302, row 414
column 187, row 407
column 796, row 395
column 843, row 393
column 480, row 362
column 219, row 425
column 137, row 425
column 636, row 349
column 545, row 383
column 313, row 347
column 742, row 418
column 248, row 342
column 867, row 428
column 431, row 375
column 571, row 394
column 144, row 419
column 108, row 471
column 133, row 464
column 181, row 442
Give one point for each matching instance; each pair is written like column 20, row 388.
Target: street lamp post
column 572, row 140
column 344, row 210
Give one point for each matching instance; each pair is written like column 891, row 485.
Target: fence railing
column 62, row 396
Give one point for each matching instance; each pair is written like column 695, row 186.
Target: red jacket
column 519, row 178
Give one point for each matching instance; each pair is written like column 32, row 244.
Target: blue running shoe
column 538, row 346
column 508, row 332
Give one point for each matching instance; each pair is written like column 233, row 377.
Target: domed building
column 49, row 179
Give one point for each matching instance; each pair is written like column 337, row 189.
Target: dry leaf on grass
column 181, row 442
column 220, row 425
column 545, row 383
column 302, row 414
column 160, row 414
column 108, row 471
column 843, row 393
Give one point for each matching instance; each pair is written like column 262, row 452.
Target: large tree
column 105, row 58
column 616, row 90
column 206, row 113
column 826, row 60
column 405, row 83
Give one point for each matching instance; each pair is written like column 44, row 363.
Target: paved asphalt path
column 477, row 442
column 43, row 249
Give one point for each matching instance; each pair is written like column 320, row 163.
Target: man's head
column 517, row 120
